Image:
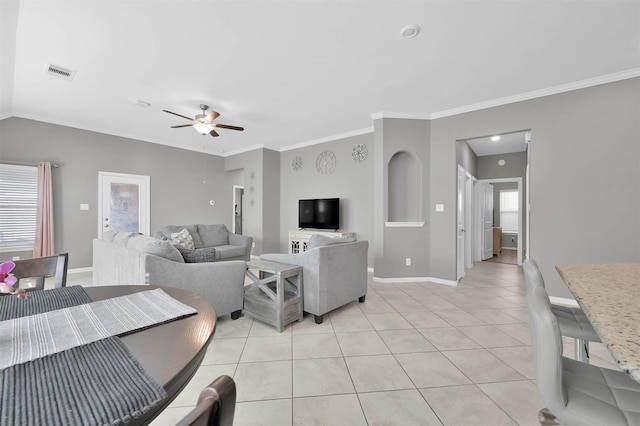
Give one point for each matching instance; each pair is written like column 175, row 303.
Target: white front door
column 124, row 203
column 487, row 221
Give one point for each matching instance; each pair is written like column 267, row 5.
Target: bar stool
column 576, row 393
column 573, row 321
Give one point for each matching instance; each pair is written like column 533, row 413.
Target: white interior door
column 468, row 221
column 460, row 221
column 487, row 221
column 124, row 203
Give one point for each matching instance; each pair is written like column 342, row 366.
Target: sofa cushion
column 121, row 238
column 317, row 240
column 227, row 251
column 166, row 231
column 213, row 235
column 183, row 238
column 149, row 245
column 204, row 254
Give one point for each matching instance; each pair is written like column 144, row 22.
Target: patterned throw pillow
column 183, row 238
column 205, row 254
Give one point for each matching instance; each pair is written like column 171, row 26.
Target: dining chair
column 216, row 405
column 573, row 321
column 574, row 392
column 41, row 268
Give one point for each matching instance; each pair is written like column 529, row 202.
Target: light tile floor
column 412, row 354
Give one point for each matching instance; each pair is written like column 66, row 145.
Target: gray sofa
column 228, row 246
column 121, row 258
column 334, row 273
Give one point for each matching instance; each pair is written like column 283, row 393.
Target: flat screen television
column 319, row 213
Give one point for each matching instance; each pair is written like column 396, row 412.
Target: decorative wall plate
column 296, row 163
column 359, row 153
column 326, row 162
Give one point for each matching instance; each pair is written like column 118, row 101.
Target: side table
column 275, row 296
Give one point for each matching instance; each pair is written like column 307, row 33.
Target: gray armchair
column 332, row 275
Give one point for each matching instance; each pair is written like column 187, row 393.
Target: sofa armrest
column 240, row 240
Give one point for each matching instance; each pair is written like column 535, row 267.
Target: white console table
column 299, row 239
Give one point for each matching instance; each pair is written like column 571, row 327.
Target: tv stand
column 299, row 238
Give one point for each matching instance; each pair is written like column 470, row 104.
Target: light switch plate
column 84, row 206
column 439, row 207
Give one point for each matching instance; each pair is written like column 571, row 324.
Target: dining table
column 609, row 295
column 170, row 352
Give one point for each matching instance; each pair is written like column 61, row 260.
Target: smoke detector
column 58, row 71
column 409, row 31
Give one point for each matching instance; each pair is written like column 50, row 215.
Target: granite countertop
column 609, row 294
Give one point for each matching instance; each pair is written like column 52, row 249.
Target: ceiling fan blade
column 184, row 125
column 226, row 126
column 214, row 133
column 212, row 116
column 190, row 119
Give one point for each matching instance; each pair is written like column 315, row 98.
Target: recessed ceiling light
column 409, row 31
column 501, row 162
column 495, row 138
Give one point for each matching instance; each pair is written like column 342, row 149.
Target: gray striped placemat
column 42, row 301
column 32, row 337
column 96, row 384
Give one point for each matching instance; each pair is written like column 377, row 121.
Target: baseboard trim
column 79, row 270
column 563, row 301
column 415, row 280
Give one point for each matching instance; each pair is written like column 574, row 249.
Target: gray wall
column 261, row 180
column 584, row 176
column 394, row 245
column 182, row 182
column 467, row 158
column 351, row 182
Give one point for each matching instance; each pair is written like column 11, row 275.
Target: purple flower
column 5, row 276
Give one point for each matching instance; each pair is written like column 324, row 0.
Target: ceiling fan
column 203, row 123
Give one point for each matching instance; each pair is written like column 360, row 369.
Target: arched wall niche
column 404, row 188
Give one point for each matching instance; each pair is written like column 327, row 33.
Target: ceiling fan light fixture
column 203, row 128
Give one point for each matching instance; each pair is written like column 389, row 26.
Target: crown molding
column 328, row 139
column 582, row 84
column 241, row 150
column 402, row 115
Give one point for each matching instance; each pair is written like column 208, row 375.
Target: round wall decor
column 296, row 163
column 326, row 162
column 359, row 153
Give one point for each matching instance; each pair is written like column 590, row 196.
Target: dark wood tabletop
column 170, row 352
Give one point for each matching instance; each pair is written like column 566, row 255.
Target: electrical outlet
column 15, row 258
column 407, row 261
column 253, row 244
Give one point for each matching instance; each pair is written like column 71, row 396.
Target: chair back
column 41, row 268
column 532, row 274
column 546, row 343
column 216, row 405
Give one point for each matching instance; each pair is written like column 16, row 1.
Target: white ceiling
column 296, row 72
column 510, row 142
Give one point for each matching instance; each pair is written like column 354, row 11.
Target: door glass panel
column 125, row 210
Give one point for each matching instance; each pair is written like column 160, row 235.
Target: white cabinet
column 299, row 239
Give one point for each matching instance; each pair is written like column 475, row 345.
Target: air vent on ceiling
column 59, row 72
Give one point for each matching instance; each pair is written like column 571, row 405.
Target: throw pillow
column 317, row 240
column 213, row 235
column 206, row 254
column 183, row 238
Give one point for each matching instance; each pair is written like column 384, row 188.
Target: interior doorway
column 237, row 219
column 485, row 164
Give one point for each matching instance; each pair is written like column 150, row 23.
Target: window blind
column 18, row 204
column 509, row 211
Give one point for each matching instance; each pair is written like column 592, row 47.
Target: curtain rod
column 20, row 163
